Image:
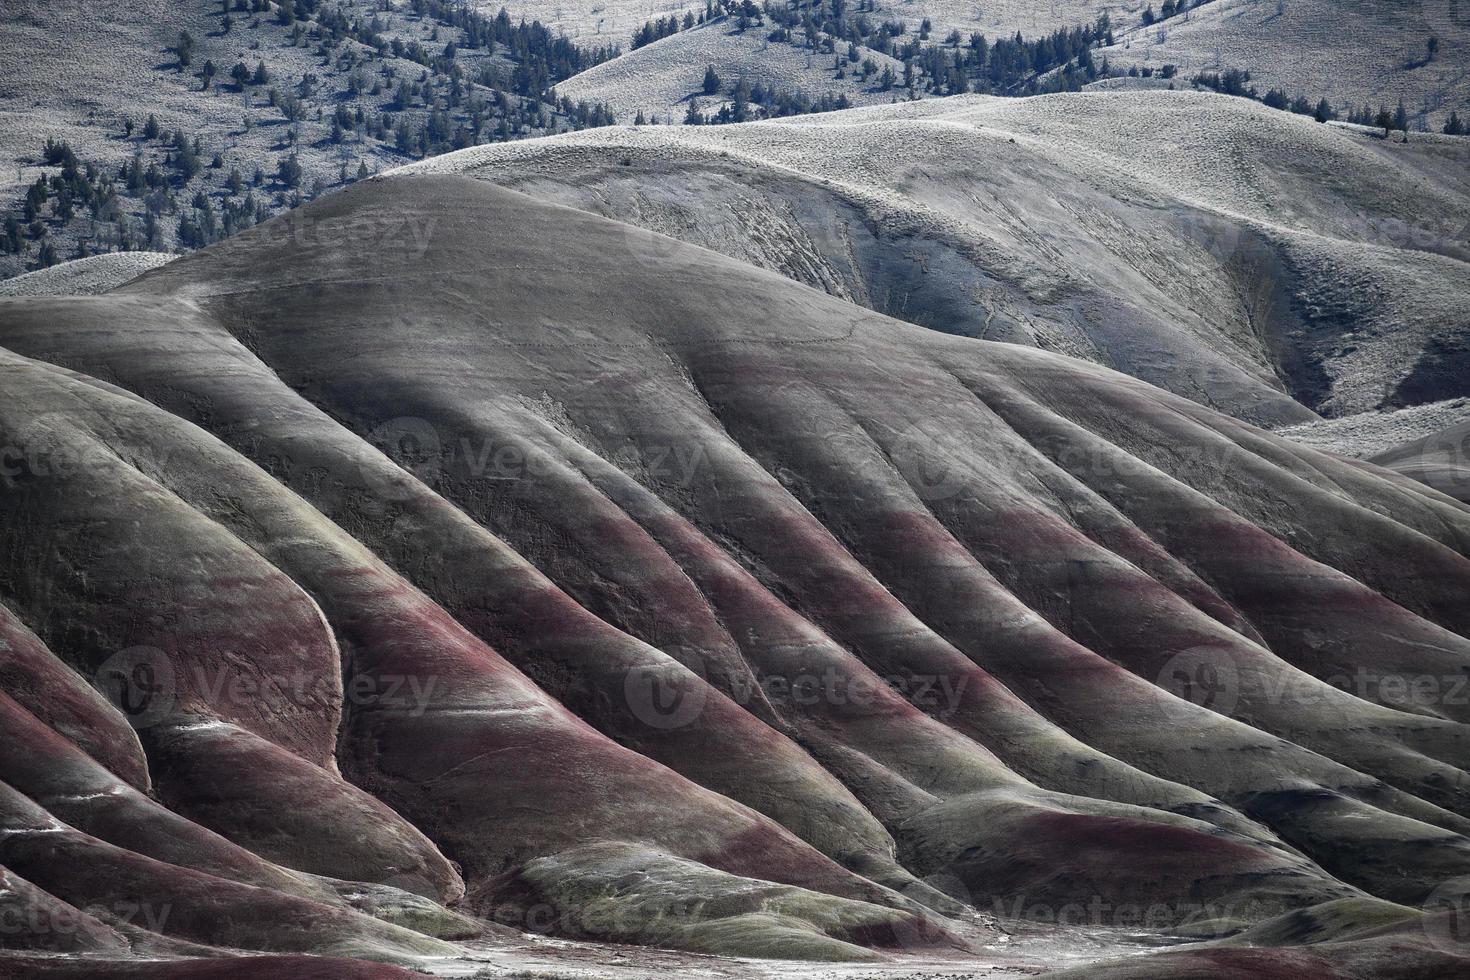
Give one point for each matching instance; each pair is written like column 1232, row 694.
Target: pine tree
column 711, row 81
column 289, row 171
column 1324, row 111
column 1384, row 119
column 48, row 255
column 1453, row 126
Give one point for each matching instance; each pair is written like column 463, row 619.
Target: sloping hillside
column 613, row 21
column 329, row 92
column 81, row 277
column 1440, row 459
column 1350, row 52
column 646, row 597
column 1370, row 433
column 1249, row 259
column 661, row 78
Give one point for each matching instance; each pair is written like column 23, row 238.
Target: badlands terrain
column 997, row 509
column 616, row 590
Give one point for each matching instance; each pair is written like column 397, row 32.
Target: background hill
column 1351, row 52
column 1250, row 259
column 660, row 79
column 330, row 91
column 647, row 597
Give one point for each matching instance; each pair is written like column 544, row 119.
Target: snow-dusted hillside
column 659, row 79
column 1349, row 51
column 1247, row 258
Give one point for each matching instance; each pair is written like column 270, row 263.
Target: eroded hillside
column 436, row 546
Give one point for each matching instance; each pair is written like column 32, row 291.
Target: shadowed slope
column 692, row 606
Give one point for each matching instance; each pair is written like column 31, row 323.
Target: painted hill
column 1249, row 259
column 643, row 596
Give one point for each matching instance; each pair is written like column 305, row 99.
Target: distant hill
column 347, row 87
column 81, row 277
column 1250, row 259
column 1351, row 52
column 662, row 78
column 613, row 21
